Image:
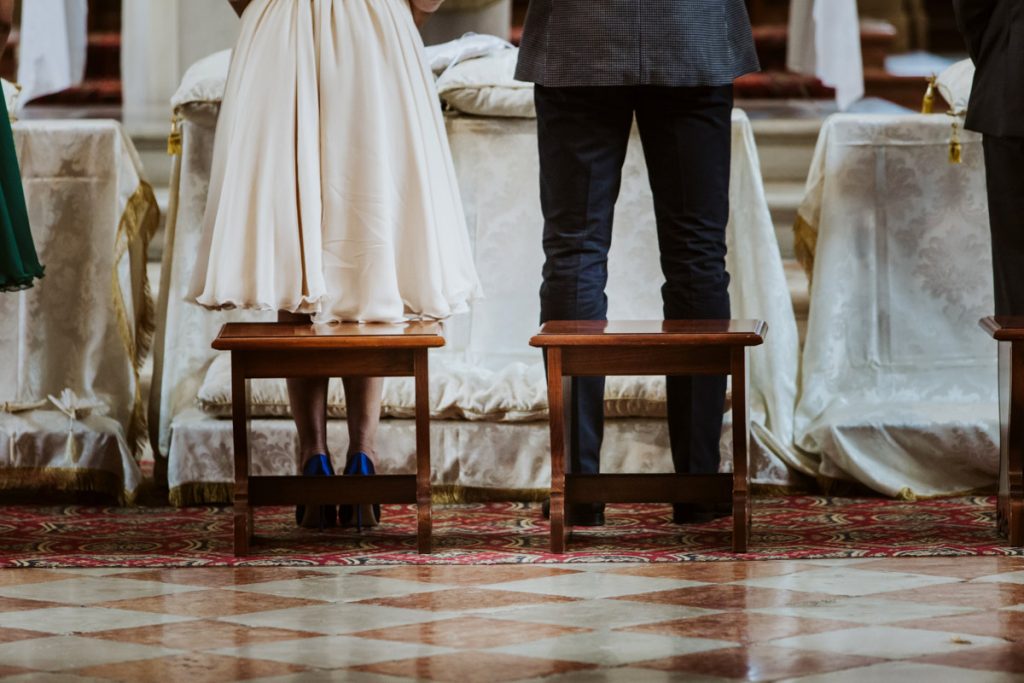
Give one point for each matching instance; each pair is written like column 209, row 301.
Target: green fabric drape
column 19, row 265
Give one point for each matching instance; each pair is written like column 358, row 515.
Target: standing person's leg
column 582, row 136
column 307, row 397
column 362, row 405
column 687, row 136
column 1004, row 158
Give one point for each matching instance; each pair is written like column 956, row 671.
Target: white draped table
column 487, row 383
column 899, row 385
column 85, row 327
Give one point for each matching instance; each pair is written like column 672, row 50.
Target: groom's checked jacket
column 636, row 42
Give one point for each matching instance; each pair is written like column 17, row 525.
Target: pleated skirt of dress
column 332, row 190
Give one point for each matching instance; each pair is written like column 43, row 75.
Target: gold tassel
column 928, row 104
column 174, row 139
column 955, row 148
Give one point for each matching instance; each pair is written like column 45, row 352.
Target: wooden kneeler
column 595, row 348
column 1009, row 332
column 337, row 350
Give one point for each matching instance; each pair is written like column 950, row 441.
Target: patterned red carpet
column 797, row 527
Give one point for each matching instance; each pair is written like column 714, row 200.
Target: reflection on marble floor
column 913, row 619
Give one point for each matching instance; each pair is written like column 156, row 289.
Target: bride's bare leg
column 362, row 401
column 308, row 399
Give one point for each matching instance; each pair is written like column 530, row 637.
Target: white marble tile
column 72, row 620
column 612, row 648
column 908, row 672
column 839, row 562
column 47, row 677
column 628, row 675
column 90, row 590
column 886, row 641
column 341, row 588
column 324, row 676
column 331, row 652
column 867, row 610
column 58, row 653
column 609, row 614
column 594, row 585
column 336, row 619
column 1007, row 577
column 847, row 581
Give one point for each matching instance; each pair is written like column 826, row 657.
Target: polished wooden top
column 289, row 336
column 651, row 333
column 1003, row 327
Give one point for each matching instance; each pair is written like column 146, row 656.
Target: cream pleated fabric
column 332, row 190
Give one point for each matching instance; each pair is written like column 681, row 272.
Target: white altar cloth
column 496, row 161
column 899, row 384
column 86, row 325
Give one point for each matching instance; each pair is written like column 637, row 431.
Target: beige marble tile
column 90, row 590
column 595, row 585
column 73, row 620
column 849, row 581
column 333, row 652
column 193, row 667
column 887, row 642
column 475, row 667
column 470, row 632
column 60, row 653
column 335, row 619
column 210, row 603
column 608, row 648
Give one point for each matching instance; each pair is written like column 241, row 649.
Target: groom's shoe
column 699, row 513
column 579, row 514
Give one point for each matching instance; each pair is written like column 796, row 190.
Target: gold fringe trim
column 842, row 488
column 139, row 221
column 61, row 479
column 214, row 493
column 806, row 245
column 200, row 493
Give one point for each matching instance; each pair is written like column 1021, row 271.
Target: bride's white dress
column 332, row 190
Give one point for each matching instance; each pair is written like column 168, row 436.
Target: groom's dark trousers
column 686, row 133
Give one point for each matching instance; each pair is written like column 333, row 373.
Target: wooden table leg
column 1011, row 449
column 556, row 410
column 243, row 528
column 424, row 493
column 741, row 505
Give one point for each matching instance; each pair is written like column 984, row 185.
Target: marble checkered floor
column 924, row 619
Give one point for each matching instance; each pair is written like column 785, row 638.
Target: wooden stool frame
column 1009, row 332
column 588, row 348
column 284, row 350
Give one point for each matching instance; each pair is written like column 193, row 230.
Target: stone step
column 786, row 135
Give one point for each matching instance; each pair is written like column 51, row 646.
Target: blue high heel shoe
column 365, row 514
column 317, row 516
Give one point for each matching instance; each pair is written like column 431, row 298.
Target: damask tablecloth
column 81, row 334
column 496, row 162
column 899, row 385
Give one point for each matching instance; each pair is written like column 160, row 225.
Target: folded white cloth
column 446, row 55
column 51, row 57
column 824, row 42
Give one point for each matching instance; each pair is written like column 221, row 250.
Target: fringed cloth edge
column 65, row 480
column 139, row 222
column 805, row 244
column 217, row 493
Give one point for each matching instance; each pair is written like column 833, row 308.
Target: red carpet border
column 793, row 528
